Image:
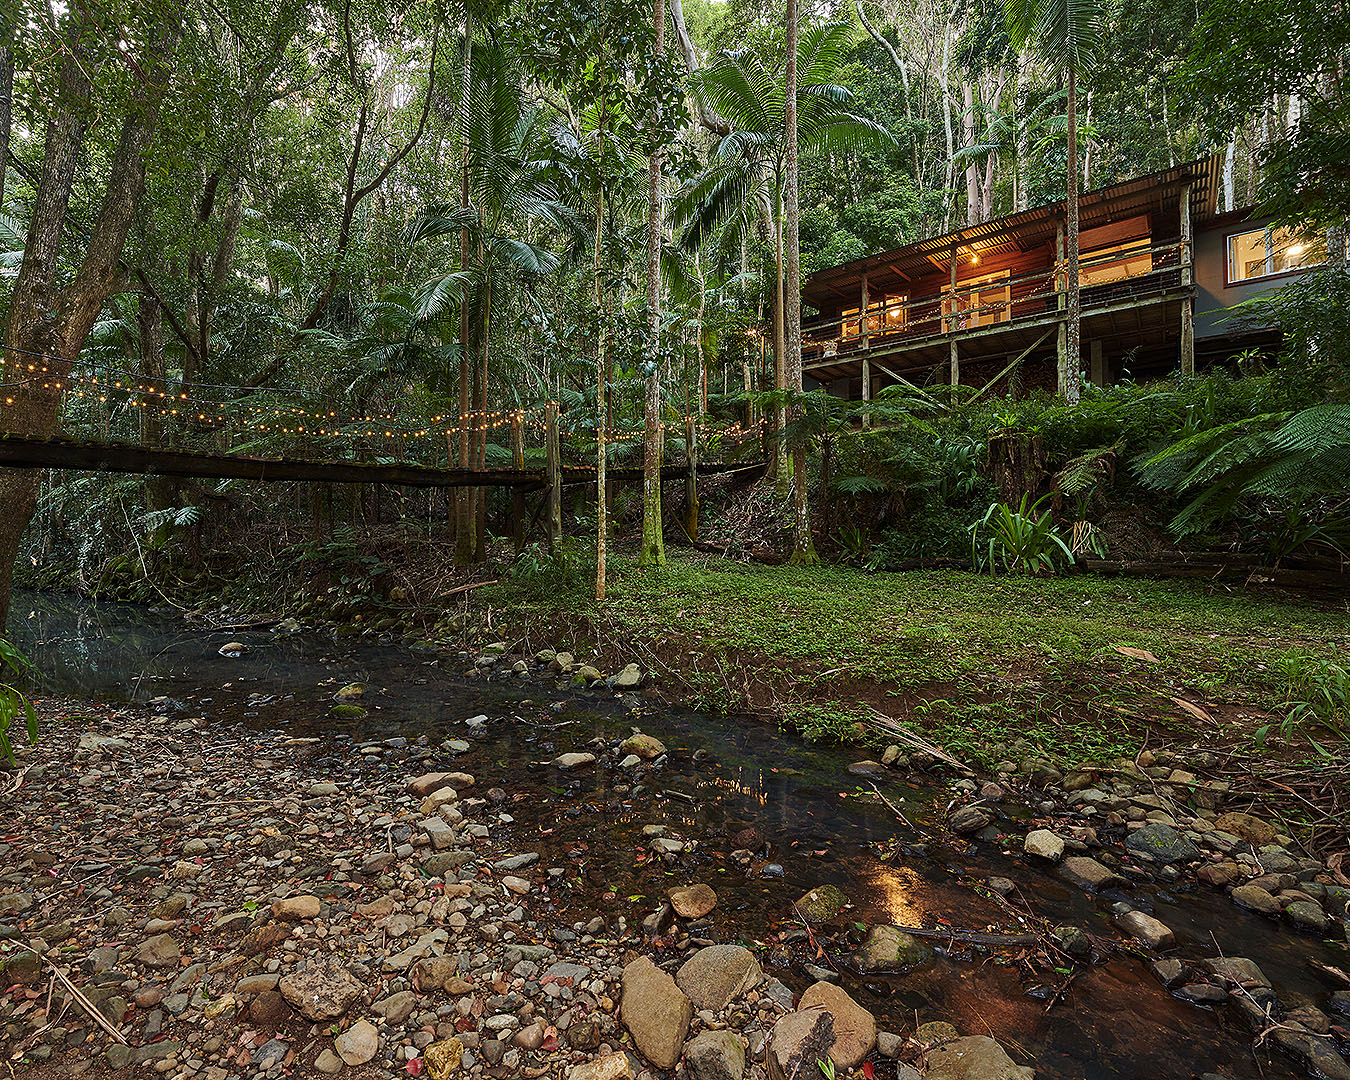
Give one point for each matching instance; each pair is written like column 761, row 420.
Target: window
column 1116, row 263
column 1263, row 252
column 883, row 317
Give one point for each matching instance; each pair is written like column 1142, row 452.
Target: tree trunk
column 1073, row 360
column 6, row 107
column 653, row 551
column 464, row 517
column 803, row 549
column 159, row 490
column 778, row 468
column 601, row 373
column 48, row 321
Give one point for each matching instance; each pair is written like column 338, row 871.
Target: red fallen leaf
column 549, row 1044
column 414, row 1067
column 868, row 1071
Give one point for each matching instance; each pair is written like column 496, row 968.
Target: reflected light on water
column 896, row 892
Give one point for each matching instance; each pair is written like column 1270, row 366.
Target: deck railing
column 892, row 321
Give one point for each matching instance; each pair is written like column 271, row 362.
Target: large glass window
column 883, row 316
column 1263, row 252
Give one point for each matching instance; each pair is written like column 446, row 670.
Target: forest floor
column 1081, row 667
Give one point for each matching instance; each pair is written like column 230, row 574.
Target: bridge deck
column 59, row 453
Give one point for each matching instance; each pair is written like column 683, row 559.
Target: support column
column 1061, row 300
column 518, row 496
column 1096, row 363
column 864, row 335
column 691, row 479
column 553, row 476
column 954, row 369
column 1187, row 281
column 953, row 328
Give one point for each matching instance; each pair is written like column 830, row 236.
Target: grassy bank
column 987, row 667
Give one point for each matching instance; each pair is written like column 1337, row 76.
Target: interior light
column 974, row 259
column 1297, row 249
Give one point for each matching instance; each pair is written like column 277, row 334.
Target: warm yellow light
column 1297, row 249
column 974, row 259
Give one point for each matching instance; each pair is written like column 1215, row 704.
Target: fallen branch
column 88, row 1005
column 916, row 742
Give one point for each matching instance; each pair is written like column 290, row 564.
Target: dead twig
column 894, row 809
column 88, row 1005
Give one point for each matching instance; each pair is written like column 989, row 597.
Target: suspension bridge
column 123, row 422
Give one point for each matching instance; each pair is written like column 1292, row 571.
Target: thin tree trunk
column 803, row 549
column 653, row 551
column 601, row 374
column 150, row 332
column 464, row 517
column 944, row 86
column 6, row 107
column 1073, row 360
column 972, row 166
column 779, row 467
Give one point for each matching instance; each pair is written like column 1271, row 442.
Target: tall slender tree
column 653, row 542
column 1066, row 33
column 803, row 549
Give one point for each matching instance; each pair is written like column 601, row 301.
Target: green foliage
column 13, row 703
column 1315, row 692
column 1025, row 540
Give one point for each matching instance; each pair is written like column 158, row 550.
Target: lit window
column 1105, row 265
column 1263, row 252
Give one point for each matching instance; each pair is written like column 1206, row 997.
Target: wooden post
column 1097, row 362
column 691, row 479
column 518, row 496
column 955, row 364
column 553, row 476
column 1187, row 280
column 826, row 479
column 1061, row 299
column 865, row 336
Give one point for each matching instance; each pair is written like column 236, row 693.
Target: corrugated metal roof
column 1028, row 228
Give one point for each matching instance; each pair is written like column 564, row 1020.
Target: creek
column 723, row 775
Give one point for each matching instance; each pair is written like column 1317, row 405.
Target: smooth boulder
column 716, row 975
column 976, row 1057
column 797, row 1042
column 855, row 1029
column 655, row 1011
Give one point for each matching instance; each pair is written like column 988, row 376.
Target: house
column 1159, row 269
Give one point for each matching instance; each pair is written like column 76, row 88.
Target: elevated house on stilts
column 1159, row 271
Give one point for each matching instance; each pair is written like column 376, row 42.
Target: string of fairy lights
column 133, row 391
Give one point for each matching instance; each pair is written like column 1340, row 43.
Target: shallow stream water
column 723, row 775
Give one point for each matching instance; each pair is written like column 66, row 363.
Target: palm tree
column 509, row 192
column 742, row 185
column 1063, row 32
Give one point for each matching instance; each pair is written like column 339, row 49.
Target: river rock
column 396, row 1007
column 1247, row 827
column 655, row 1011
column 644, row 746
column 715, row 1055
column 1237, row 971
column 1307, row 915
column 359, row 1043
column 296, row 908
column 1044, row 845
column 1317, row 1054
column 716, row 975
column 693, row 901
column 975, row 1057
column 966, row 820
column 1255, row 898
column 440, row 973
column 328, row 1062
column 442, row 1058
column 627, row 678
column 573, row 760
column 797, row 1042
column 1087, row 873
column 323, row 991
column 822, row 904
column 855, row 1029
column 160, row 951
column 233, row 649
column 888, row 948
column 609, row 1067
column 424, row 785
column 1145, row 928
column 1163, row 843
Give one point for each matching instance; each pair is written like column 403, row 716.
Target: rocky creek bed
column 307, row 858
